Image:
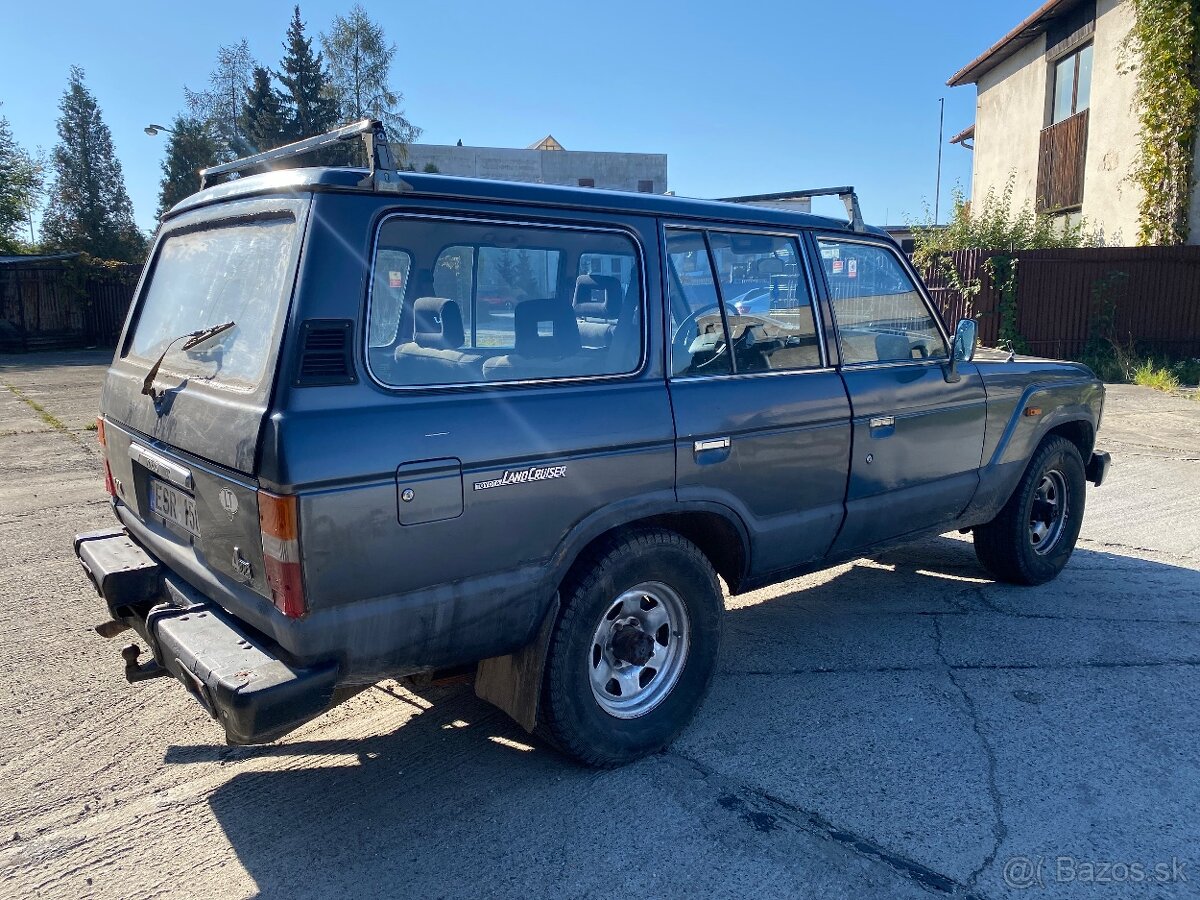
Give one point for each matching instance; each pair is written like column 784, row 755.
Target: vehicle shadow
column 459, row 800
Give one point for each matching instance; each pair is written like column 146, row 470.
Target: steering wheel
column 681, row 337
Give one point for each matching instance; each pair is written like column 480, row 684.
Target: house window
column 646, row 186
column 1072, row 84
column 587, row 182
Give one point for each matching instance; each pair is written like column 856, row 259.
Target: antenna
column 383, row 174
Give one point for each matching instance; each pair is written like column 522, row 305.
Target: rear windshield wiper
column 193, row 339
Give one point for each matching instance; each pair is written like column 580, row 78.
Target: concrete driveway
column 896, row 727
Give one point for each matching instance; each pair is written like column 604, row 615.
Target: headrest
column 437, row 323
column 892, row 346
column 597, row 296
column 530, row 316
column 768, row 265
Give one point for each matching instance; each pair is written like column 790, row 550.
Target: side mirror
column 962, row 349
column 965, row 337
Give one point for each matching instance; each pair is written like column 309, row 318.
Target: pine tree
column 310, row 110
column 192, row 146
column 262, row 119
column 360, row 63
column 89, row 208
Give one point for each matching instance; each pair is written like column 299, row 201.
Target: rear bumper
column 243, row 679
column 1097, row 467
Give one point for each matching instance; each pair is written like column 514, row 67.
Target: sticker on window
column 837, row 267
column 852, row 268
column 395, row 279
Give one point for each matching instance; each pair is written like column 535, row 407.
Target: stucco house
column 1056, row 107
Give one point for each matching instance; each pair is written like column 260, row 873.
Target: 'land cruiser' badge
column 229, row 502
column 523, row 476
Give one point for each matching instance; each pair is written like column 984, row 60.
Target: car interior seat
column 435, row 355
column 597, row 303
column 546, row 344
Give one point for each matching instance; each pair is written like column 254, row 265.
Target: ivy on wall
column 1165, row 42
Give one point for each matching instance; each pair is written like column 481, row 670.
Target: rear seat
column 434, row 356
column 535, row 355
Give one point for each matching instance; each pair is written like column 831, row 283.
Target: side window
column 880, row 315
column 767, row 302
column 457, row 302
column 698, row 341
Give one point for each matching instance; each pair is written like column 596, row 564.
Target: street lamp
column 153, row 130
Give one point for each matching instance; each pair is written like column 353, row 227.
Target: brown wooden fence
column 1153, row 295
column 55, row 304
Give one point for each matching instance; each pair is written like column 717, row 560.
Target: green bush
column 1150, row 375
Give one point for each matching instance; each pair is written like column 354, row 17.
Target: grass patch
column 90, row 426
column 1161, row 378
column 44, row 414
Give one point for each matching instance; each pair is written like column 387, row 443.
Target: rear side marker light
column 109, row 484
column 278, row 522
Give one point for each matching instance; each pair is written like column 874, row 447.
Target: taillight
column 109, row 484
column 277, row 520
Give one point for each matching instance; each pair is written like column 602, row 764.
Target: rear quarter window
column 503, row 302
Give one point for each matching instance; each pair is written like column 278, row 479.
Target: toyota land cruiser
column 363, row 423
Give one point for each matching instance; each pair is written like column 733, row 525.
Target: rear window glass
column 495, row 303
column 238, row 273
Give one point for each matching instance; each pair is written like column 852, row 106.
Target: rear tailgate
column 183, row 460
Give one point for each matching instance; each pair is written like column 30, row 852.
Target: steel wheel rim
column 628, row 689
column 1048, row 512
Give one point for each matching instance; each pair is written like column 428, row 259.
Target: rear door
column 762, row 420
column 918, row 438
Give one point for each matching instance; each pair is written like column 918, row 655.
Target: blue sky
column 743, row 97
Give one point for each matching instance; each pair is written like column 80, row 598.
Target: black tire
column 570, row 715
column 1006, row 545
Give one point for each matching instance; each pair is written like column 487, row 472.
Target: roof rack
column 383, row 174
column 845, row 193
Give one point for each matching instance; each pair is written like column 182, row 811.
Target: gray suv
column 363, row 423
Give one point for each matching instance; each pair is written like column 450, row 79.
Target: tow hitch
column 135, row 672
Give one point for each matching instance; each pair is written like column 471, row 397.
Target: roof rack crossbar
column 846, row 193
column 380, row 159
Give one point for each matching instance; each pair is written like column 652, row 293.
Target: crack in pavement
column 734, row 793
column 999, row 828
column 967, row 667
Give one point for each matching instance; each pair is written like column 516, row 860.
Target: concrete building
column 547, row 162
column 1056, row 108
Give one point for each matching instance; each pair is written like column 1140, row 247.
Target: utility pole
column 937, row 191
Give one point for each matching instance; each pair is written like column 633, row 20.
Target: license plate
column 175, row 507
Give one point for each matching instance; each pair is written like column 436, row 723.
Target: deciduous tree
column 221, row 105
column 360, row 64
column 21, row 176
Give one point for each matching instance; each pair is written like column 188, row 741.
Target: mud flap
column 514, row 682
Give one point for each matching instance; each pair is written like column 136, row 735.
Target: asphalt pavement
column 894, row 727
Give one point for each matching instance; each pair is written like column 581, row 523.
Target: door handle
column 883, row 422
column 721, row 443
